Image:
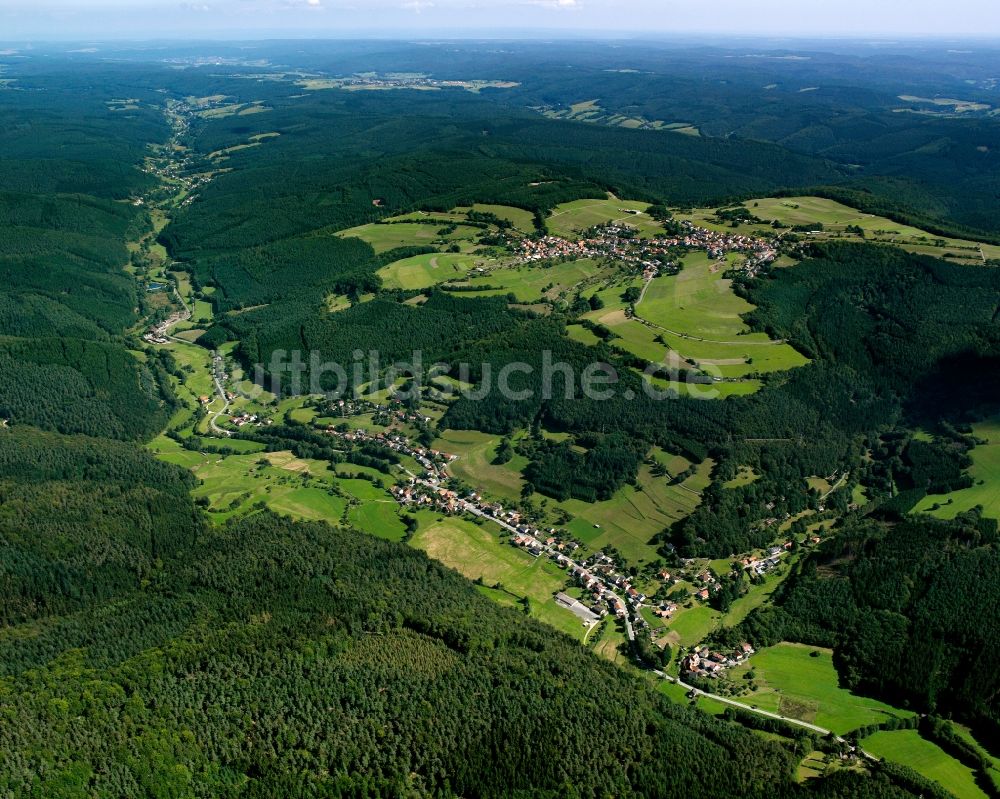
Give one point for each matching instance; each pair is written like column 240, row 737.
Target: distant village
column 620, row 241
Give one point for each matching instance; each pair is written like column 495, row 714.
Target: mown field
column 422, row 271
column 698, row 316
column 389, row 237
column 482, row 553
column 985, row 471
column 234, row 485
column 569, row 220
column 910, row 749
column 529, row 282
column 796, row 683
column 836, row 217
column 476, row 452
column 629, row 520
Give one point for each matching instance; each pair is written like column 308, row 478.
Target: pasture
column 302, row 489
column 529, row 282
column 480, row 552
column 836, row 217
column 476, row 452
column 793, row 682
column 423, row 271
column 571, row 219
column 383, row 238
column 697, row 315
column 985, row 471
column 523, row 221
column 926, row 758
column 629, row 520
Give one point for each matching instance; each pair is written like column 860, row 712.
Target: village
column 653, row 256
column 711, row 664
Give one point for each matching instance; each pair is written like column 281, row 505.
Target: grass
column 480, row 552
column 531, row 282
column 985, row 471
column 629, row 520
column 380, row 518
column 794, row 683
column 302, row 489
column 698, row 316
column 523, row 220
column 389, row 237
column 476, row 452
column 744, row 476
column 422, row 271
column 835, row 217
column 569, row 220
column 908, row 748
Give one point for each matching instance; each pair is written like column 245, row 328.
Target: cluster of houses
column 709, row 585
column 759, row 252
column 159, row 334
column 620, row 242
column 419, row 495
column 382, row 414
column 607, row 241
column 704, row 662
column 432, row 461
column 244, row 419
column 769, row 562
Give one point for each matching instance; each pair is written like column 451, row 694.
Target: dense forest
column 144, row 652
column 269, row 657
column 909, row 608
column 67, row 166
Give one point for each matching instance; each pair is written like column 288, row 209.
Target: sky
column 153, row 19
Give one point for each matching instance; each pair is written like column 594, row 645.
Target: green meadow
column 528, row 282
column 697, row 314
column 482, row 553
column 423, row 271
column 571, row 219
column 389, row 237
column 633, row 516
column 303, row 489
column 985, row 472
column 836, row 217
column 794, row 682
column 910, row 749
column 476, row 452
column 523, row 221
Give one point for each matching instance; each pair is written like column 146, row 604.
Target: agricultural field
column 910, row 749
column 985, row 471
column 571, row 219
column 481, row 553
column 836, row 217
column 629, row 520
column 532, row 282
column 405, row 234
column 794, row 682
column 698, row 316
column 423, row 271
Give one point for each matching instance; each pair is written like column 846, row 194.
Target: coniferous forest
column 154, row 646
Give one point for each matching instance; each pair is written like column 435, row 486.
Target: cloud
column 416, row 6
column 559, row 5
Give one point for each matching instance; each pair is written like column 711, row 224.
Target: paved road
column 221, row 391
column 750, row 709
column 643, row 320
column 475, row 511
